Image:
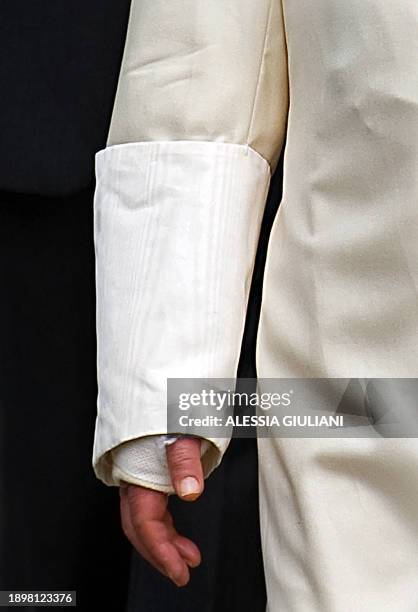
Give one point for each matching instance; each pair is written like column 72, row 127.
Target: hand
column 148, row 524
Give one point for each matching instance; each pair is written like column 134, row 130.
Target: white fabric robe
column 208, row 90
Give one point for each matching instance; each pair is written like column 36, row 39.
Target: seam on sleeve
column 257, row 87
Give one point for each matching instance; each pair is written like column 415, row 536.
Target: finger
column 184, row 464
column 162, row 549
column 147, row 504
column 188, row 550
column 130, row 533
column 154, row 532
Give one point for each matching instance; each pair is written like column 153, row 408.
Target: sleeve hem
column 176, row 230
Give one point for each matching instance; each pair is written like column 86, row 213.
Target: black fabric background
column 59, row 64
column 59, row 525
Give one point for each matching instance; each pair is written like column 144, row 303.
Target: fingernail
column 189, row 488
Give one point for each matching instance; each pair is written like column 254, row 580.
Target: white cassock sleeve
column 197, row 128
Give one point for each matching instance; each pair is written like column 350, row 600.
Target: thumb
column 185, row 467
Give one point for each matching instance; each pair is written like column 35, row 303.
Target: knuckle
column 138, row 524
column 183, row 456
column 159, row 551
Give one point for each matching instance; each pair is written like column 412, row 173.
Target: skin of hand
column 147, row 522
